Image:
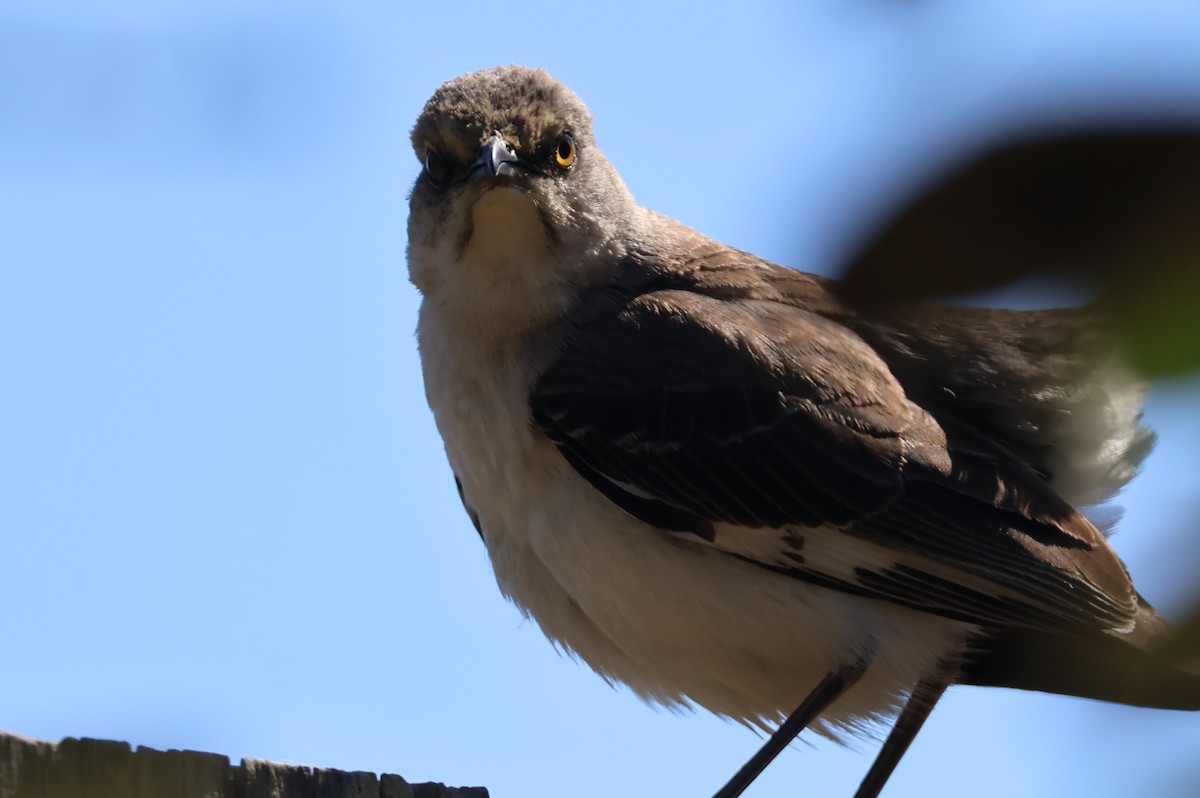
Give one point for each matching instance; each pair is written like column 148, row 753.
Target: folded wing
column 754, row 424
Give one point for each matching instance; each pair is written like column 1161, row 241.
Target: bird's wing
column 774, row 433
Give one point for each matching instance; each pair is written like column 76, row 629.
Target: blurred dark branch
column 1117, row 208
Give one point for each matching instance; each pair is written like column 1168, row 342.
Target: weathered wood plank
column 168, row 774
column 87, row 768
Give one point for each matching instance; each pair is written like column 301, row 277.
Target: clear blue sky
column 226, row 521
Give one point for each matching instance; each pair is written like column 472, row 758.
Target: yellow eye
column 564, row 153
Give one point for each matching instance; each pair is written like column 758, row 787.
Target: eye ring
column 435, row 167
column 564, row 151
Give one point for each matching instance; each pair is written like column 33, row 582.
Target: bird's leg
column 912, row 717
column 833, row 685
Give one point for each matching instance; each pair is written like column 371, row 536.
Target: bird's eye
column 564, row 152
column 435, row 167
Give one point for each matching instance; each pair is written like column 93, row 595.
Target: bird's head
column 510, row 178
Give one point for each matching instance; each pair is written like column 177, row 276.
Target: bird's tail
column 1143, row 668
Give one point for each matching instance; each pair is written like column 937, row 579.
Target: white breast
column 678, row 622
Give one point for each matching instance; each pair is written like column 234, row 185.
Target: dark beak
column 496, row 157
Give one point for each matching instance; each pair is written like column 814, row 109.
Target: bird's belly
column 681, row 622
column 678, row 621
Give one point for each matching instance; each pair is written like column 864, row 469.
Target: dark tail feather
column 1103, row 667
column 1183, row 643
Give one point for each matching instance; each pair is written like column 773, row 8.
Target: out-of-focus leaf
column 1156, row 311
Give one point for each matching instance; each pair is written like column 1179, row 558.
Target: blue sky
column 226, row 521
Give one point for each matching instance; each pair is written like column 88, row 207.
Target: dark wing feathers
column 691, row 409
column 1033, row 382
column 737, row 452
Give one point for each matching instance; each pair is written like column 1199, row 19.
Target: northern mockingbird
column 716, row 483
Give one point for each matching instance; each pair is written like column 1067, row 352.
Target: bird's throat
column 504, row 230
column 502, row 280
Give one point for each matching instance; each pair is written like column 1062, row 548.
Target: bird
column 715, row 481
